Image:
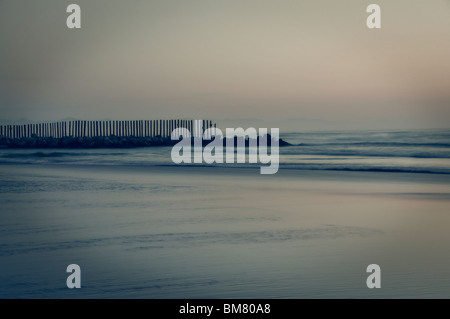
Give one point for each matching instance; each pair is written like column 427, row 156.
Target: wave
column 367, row 154
column 256, row 166
column 365, row 151
column 54, row 154
column 373, row 169
column 320, row 168
column 384, row 144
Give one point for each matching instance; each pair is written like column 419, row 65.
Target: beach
column 224, row 150
column 170, row 231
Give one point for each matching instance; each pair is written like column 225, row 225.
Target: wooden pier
column 139, row 128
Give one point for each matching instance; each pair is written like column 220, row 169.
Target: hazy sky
column 291, row 63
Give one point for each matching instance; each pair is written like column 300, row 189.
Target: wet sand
column 204, row 232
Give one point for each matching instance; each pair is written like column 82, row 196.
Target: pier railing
column 139, row 128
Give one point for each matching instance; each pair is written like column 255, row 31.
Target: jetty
column 138, row 128
column 105, row 134
column 93, row 134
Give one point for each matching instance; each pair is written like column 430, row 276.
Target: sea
column 141, row 226
column 392, row 151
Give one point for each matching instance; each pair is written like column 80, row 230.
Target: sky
column 298, row 65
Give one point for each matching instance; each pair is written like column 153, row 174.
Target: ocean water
column 392, row 151
column 140, row 226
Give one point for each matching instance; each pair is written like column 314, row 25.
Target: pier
column 137, row 128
